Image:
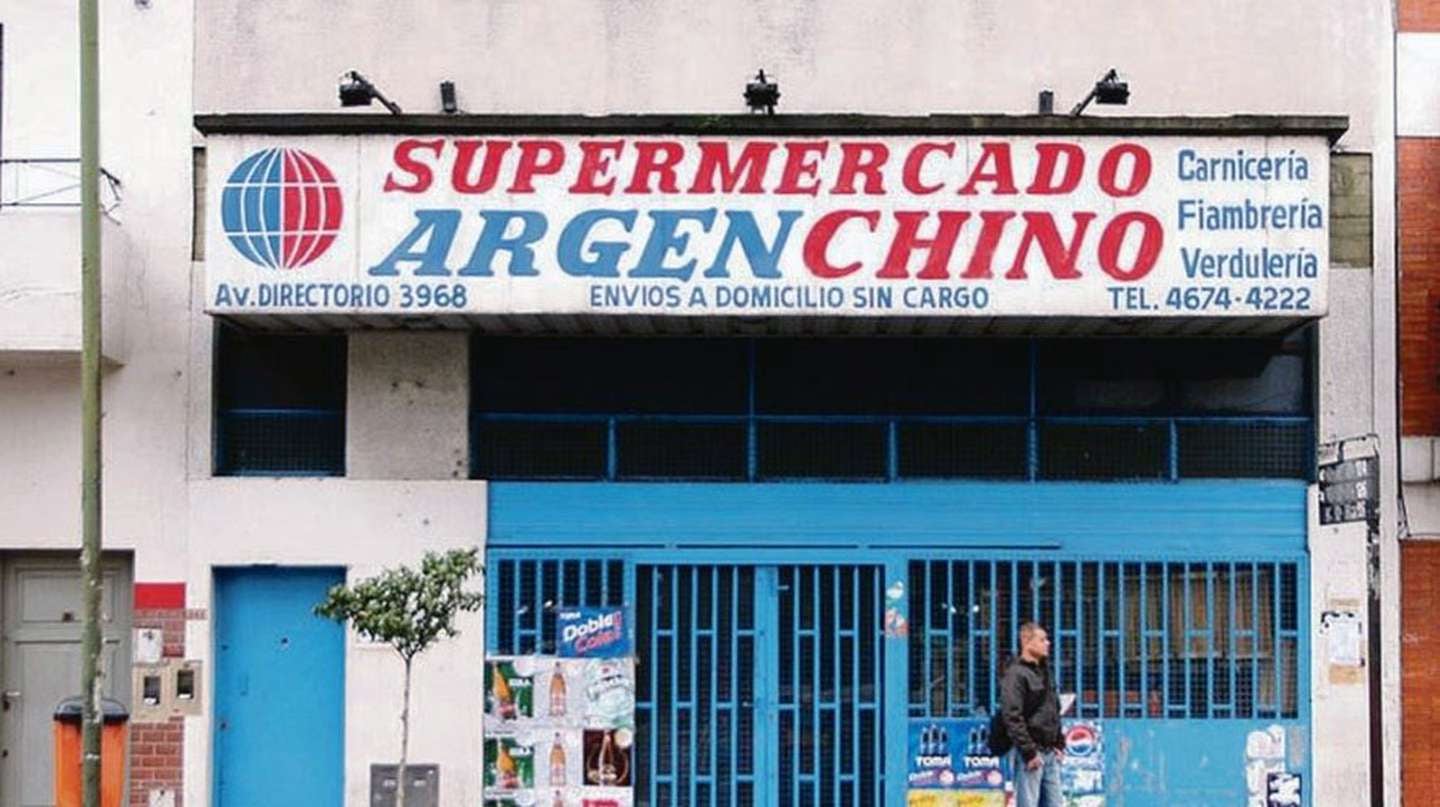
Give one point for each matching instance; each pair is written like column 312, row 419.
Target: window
column 890, row 409
column 279, row 403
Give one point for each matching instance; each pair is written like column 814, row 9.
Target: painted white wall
column 1417, row 62
column 365, row 526
column 911, row 56
column 40, row 286
column 1340, row 769
column 145, row 140
column 1379, row 38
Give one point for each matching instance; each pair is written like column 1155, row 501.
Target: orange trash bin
column 69, row 767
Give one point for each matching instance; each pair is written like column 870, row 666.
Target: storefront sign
column 985, row 226
column 1349, row 490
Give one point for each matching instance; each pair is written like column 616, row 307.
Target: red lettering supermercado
column 835, row 168
column 684, row 224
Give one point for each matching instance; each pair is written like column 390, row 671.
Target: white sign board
column 984, row 226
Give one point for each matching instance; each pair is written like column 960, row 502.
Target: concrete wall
column 40, row 286
column 844, row 55
column 415, row 385
column 366, row 526
column 1340, row 703
column 145, row 141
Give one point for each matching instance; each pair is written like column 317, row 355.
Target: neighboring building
column 624, row 346
column 1417, row 116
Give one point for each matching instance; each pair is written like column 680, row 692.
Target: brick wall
column 157, row 750
column 1419, row 674
column 1419, row 15
column 156, row 759
column 1419, row 220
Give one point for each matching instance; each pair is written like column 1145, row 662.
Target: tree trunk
column 404, row 738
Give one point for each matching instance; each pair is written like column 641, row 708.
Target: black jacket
column 1030, row 707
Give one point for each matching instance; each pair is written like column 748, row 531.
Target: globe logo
column 281, row 208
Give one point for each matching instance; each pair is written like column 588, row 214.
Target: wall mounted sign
column 686, row 225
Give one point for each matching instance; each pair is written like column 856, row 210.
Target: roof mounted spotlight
column 761, row 94
column 1108, row 90
column 356, row 90
column 447, row 98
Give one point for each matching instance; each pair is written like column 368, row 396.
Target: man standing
column 1031, row 711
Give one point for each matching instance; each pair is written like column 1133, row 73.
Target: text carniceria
column 1243, row 167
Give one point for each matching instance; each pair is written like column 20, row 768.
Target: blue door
column 279, row 689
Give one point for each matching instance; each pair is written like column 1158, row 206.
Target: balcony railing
column 51, row 182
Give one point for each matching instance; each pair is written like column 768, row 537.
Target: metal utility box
column 422, row 788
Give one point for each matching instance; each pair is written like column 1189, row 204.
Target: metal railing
column 279, row 442
column 1142, row 638
column 752, row 448
column 51, row 182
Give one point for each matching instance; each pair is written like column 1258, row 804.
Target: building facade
column 1416, row 129
column 825, row 404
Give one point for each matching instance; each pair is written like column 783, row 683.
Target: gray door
column 40, row 611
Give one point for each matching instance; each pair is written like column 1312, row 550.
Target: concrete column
column 406, row 409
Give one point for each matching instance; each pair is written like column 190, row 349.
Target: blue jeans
column 1040, row 787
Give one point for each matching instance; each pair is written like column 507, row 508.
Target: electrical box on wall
column 422, row 787
column 148, row 696
column 165, row 689
column 185, row 687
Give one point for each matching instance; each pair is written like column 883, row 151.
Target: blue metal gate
column 756, row 685
column 1191, row 640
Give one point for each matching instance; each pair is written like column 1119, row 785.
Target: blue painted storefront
column 1179, row 610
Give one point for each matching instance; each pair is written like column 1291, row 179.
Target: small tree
column 409, row 610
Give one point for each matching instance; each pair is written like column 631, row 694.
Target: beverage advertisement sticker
column 608, row 761
column 955, row 798
column 509, row 692
column 559, row 731
column 953, row 755
column 1083, row 771
column 561, row 760
column 593, row 633
column 509, row 765
column 565, row 797
column 609, row 693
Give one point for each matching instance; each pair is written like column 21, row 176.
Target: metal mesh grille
column 696, row 668
column 1076, row 451
column 830, row 679
column 525, row 597
column 544, row 450
column 822, row 450
column 282, row 442
column 709, row 640
column 956, row 450
column 1254, row 450
column 684, row 450
column 1202, row 640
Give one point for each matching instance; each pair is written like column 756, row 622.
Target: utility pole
column 90, row 390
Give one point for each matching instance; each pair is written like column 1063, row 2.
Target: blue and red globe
column 281, row 208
